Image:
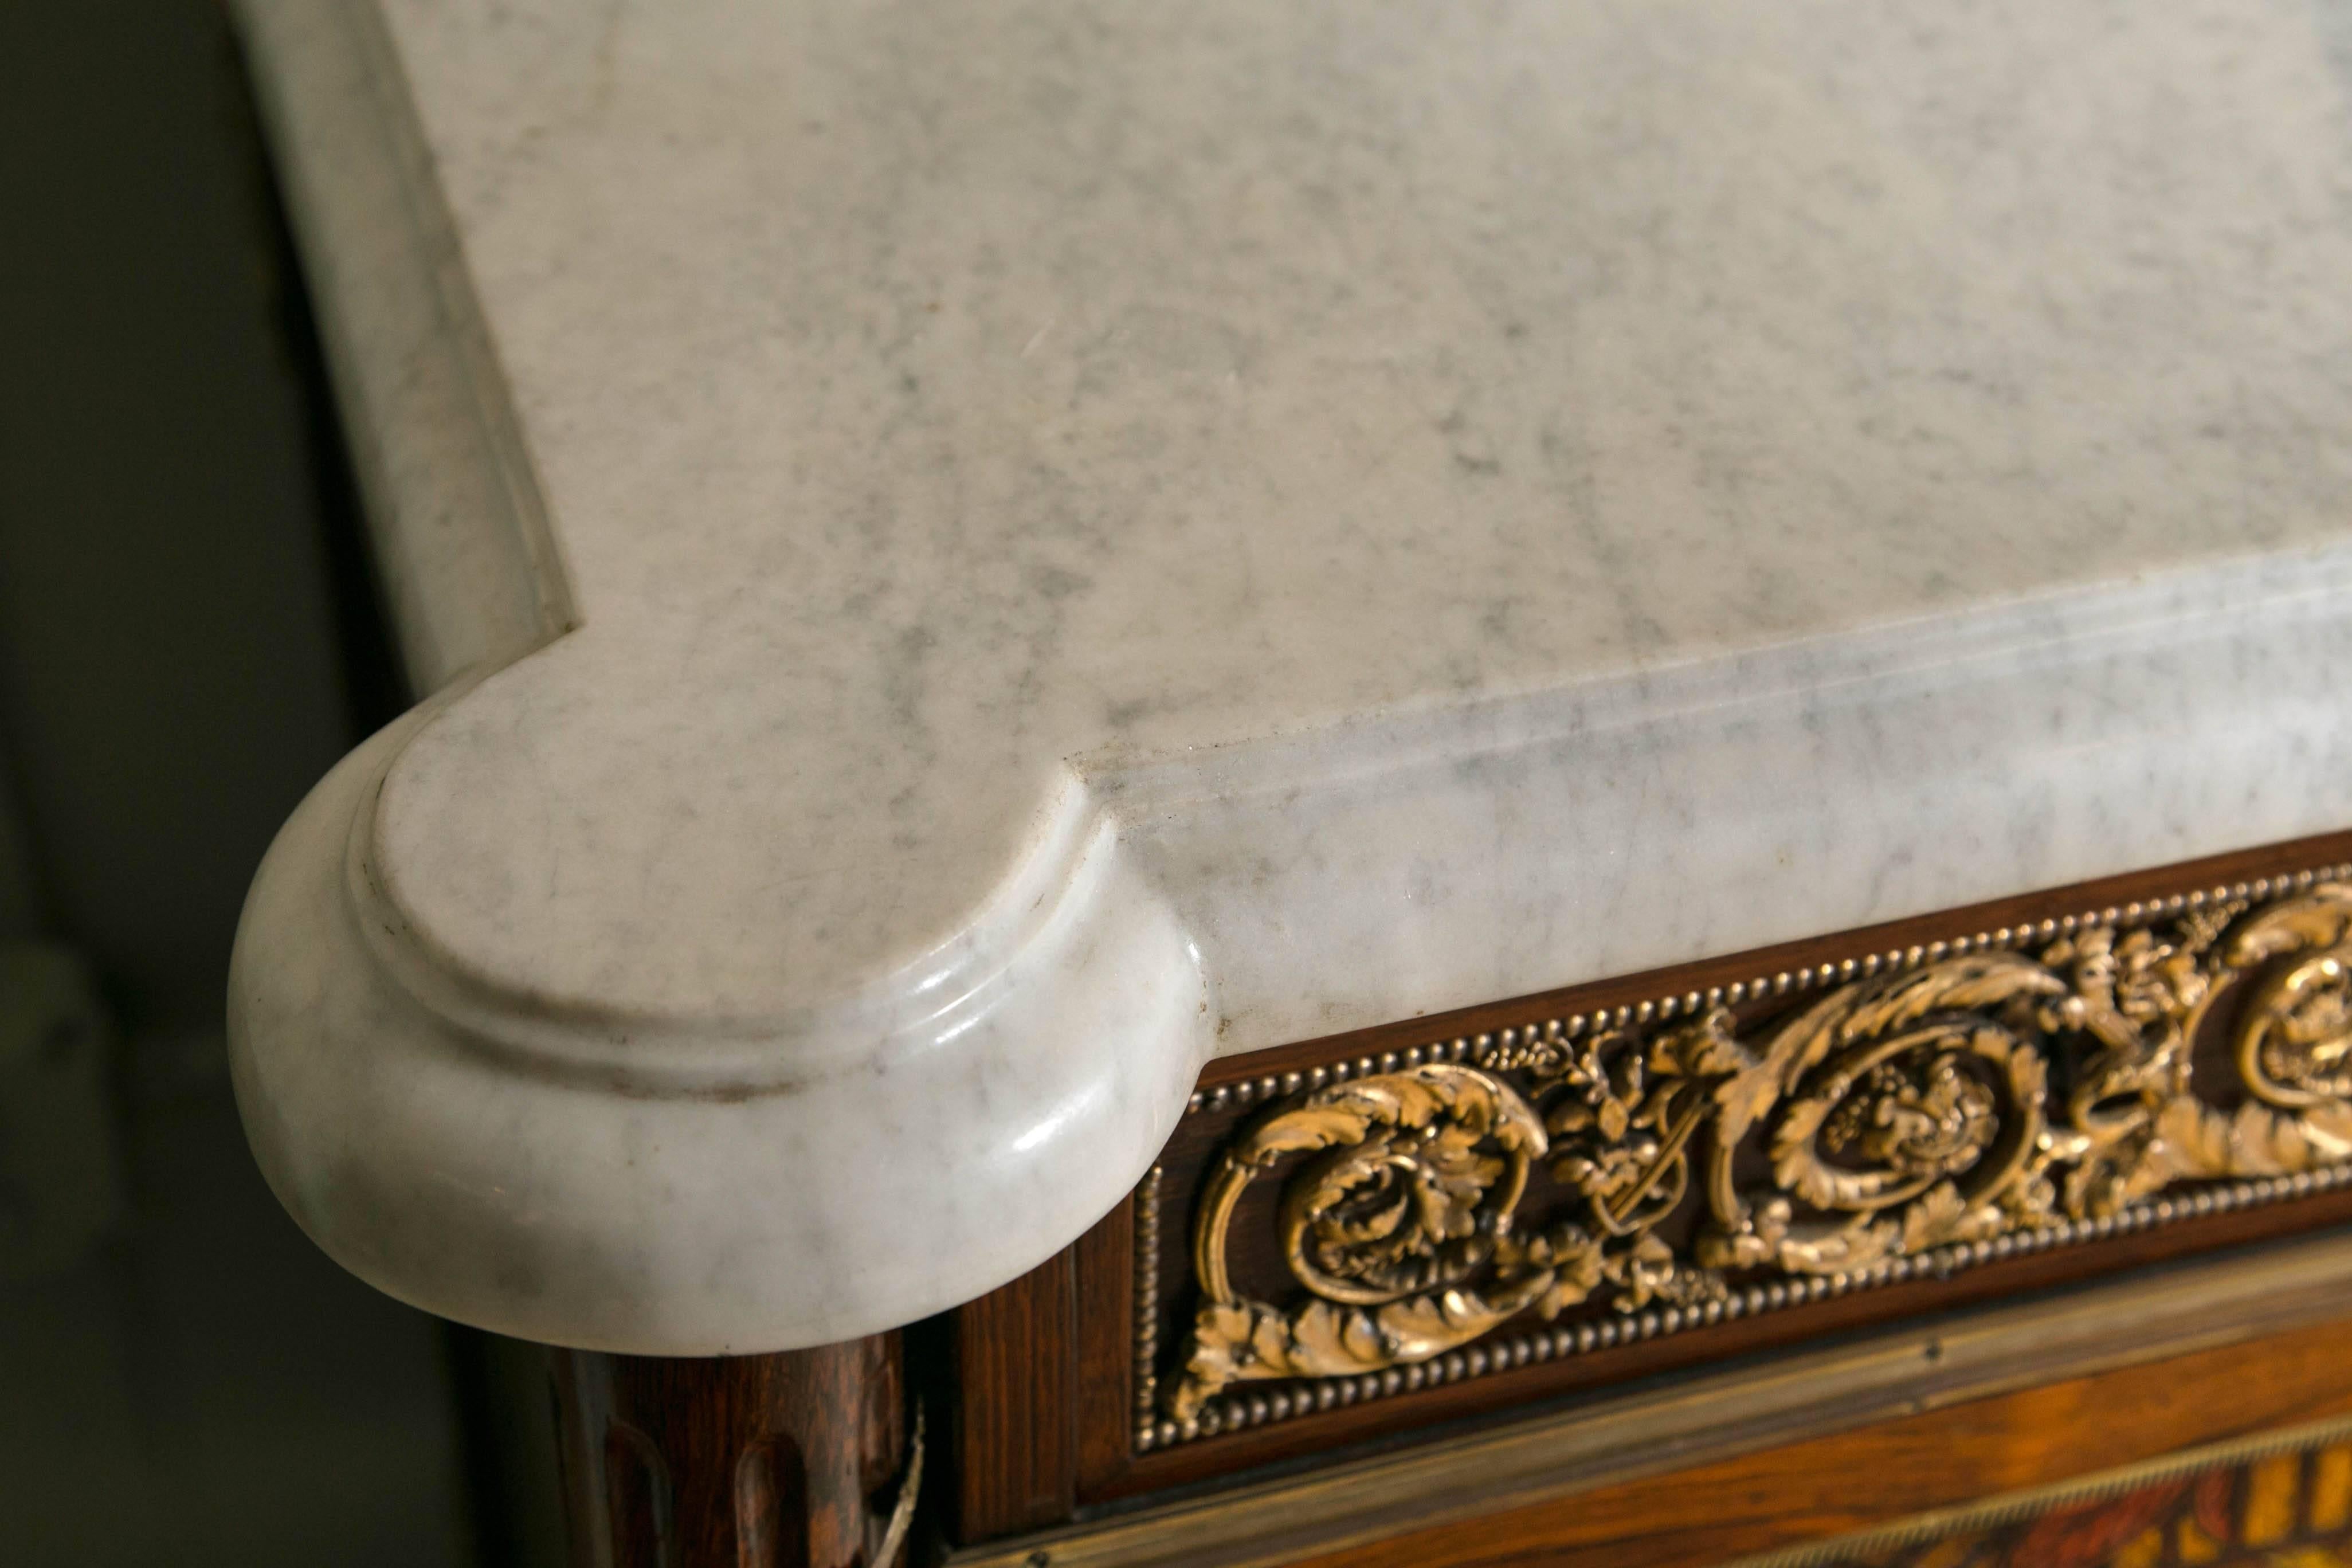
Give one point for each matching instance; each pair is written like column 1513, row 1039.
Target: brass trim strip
column 1698, row 1418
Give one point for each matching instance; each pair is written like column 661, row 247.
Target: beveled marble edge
column 459, row 528
column 1352, row 879
column 766, row 1182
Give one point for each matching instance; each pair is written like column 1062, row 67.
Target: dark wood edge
column 1013, row 1359
column 1104, row 1262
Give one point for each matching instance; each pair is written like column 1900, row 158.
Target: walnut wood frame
column 1045, row 1370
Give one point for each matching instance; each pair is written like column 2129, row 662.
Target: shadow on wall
column 184, row 647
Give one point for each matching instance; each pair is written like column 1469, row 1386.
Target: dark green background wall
column 184, row 650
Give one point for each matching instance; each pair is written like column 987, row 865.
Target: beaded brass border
column 1222, row 1412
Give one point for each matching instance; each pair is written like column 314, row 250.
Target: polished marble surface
column 1094, row 536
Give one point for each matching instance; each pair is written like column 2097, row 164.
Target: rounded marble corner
column 502, row 1166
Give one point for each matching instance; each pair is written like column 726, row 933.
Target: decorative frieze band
column 1702, row 1157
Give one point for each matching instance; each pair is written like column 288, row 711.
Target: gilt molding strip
column 1933, row 1107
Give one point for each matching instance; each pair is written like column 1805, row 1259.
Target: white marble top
column 1087, row 536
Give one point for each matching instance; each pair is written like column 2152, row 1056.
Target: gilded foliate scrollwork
column 1947, row 1104
column 1410, row 1191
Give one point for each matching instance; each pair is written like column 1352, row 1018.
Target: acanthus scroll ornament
column 1413, row 1192
column 1951, row 1102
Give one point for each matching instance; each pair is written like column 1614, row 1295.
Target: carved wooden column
column 794, row 1460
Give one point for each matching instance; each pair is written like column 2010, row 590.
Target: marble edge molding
column 549, row 1169
column 452, row 500
column 516, row 1173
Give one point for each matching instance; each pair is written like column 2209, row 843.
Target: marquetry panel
column 2024, row 1480
column 2274, row 1502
